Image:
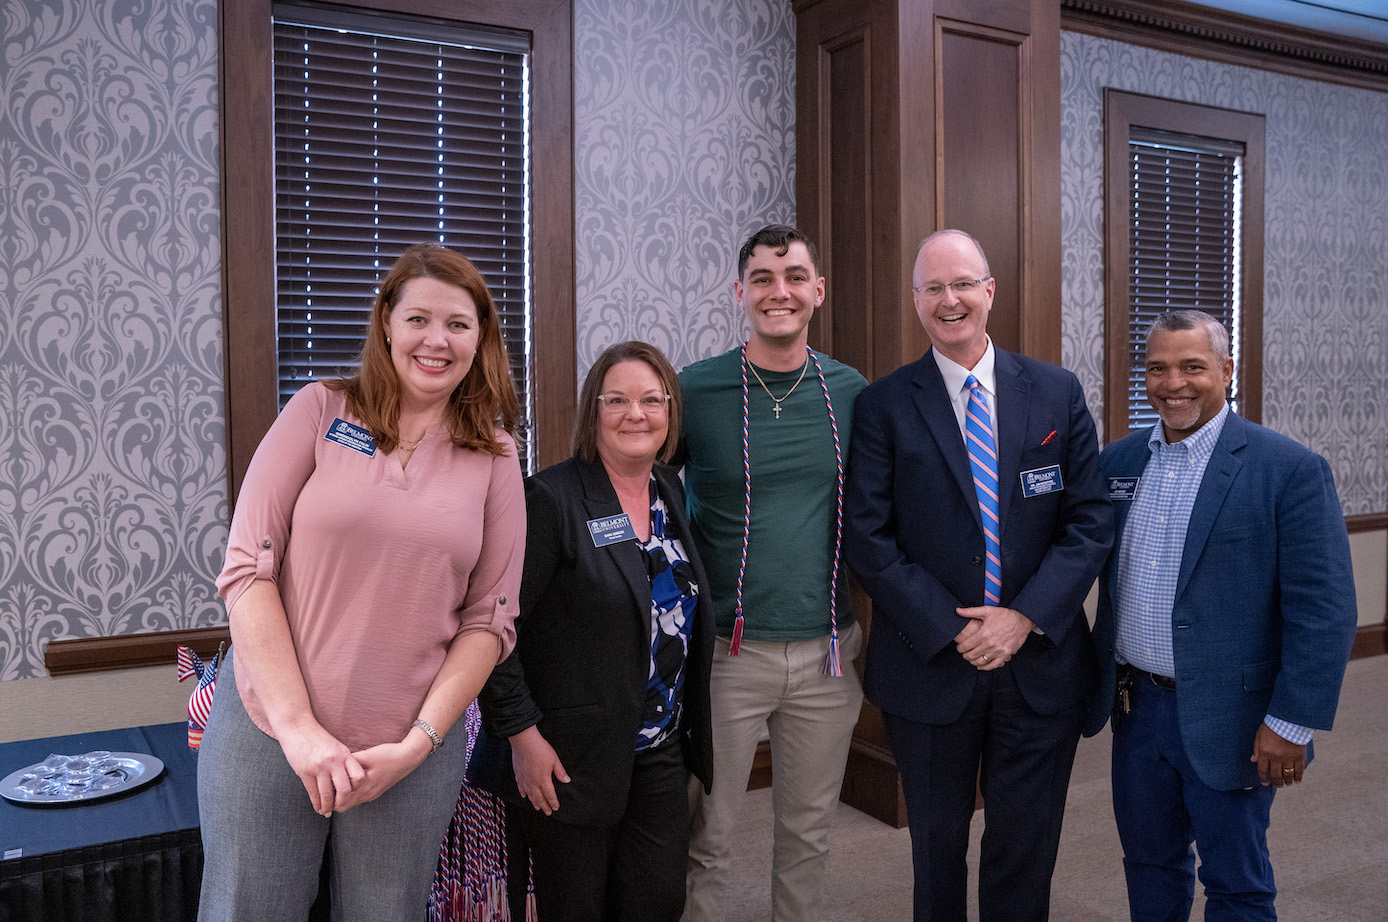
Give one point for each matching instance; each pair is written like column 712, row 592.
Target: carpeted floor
column 1329, row 836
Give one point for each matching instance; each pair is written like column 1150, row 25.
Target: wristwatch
column 435, row 741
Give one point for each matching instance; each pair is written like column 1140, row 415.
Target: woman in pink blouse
column 371, row 581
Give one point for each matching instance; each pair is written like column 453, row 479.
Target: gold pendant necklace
column 776, row 401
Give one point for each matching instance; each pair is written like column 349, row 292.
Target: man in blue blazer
column 979, row 653
column 1226, row 617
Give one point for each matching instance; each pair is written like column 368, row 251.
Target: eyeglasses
column 961, row 287
column 621, row 403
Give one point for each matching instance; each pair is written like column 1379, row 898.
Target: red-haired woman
column 371, row 581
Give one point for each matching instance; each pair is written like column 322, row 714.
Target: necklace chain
column 774, row 399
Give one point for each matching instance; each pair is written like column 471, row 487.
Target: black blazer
column 583, row 648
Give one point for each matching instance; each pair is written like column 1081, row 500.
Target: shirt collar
column 955, row 374
column 1200, row 444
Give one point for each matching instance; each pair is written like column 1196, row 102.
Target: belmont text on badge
column 1122, row 487
column 1041, row 481
column 611, row 530
column 352, row 436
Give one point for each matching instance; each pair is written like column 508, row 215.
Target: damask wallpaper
column 1325, row 288
column 113, row 506
column 113, row 503
column 685, row 137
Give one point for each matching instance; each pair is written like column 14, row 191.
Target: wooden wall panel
column 913, row 115
column 980, row 153
column 848, row 67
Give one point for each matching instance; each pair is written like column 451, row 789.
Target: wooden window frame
column 248, row 212
column 248, row 255
column 1122, row 112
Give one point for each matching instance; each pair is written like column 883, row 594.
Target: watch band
column 435, row 741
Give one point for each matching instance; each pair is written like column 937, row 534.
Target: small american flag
column 200, row 704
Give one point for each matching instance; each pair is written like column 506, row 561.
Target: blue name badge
column 1041, row 481
column 352, row 436
column 611, row 530
column 1122, row 487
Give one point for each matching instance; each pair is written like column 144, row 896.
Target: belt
column 1163, row 682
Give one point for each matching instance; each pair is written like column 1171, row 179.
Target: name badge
column 1122, row 487
column 1041, row 481
column 351, row 436
column 611, row 530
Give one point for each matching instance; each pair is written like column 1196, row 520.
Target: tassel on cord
column 735, row 646
column 532, row 907
column 832, row 666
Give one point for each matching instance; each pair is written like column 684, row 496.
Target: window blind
column 391, row 131
column 1184, row 241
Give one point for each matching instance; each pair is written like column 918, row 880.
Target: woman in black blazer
column 601, row 713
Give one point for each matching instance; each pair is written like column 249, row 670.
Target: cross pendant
column 777, row 410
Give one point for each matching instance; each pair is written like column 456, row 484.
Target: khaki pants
column 809, row 716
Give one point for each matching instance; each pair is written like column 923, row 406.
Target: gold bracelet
column 435, row 741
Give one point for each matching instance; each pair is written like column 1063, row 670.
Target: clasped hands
column 336, row 778
column 992, row 635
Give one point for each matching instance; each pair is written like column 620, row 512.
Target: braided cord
column 832, row 665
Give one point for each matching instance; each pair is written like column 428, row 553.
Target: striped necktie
column 983, row 461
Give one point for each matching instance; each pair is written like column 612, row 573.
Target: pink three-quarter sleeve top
column 379, row 568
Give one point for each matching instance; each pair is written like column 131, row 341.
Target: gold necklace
column 774, row 399
column 412, row 445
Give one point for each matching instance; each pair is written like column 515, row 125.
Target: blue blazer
column 1264, row 615
column 583, row 648
column 914, row 538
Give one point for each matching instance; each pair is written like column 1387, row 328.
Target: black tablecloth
column 134, row 856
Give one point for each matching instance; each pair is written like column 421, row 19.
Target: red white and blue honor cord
column 832, row 664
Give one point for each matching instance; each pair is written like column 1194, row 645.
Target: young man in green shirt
column 765, row 436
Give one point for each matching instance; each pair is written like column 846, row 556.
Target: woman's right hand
column 537, row 765
column 323, row 763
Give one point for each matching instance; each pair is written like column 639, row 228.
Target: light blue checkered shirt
column 1150, row 560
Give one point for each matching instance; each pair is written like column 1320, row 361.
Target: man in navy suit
column 1226, row 617
column 981, row 667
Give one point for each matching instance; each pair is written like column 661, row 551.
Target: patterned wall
column 685, row 136
column 1325, row 290
column 112, row 470
column 112, row 466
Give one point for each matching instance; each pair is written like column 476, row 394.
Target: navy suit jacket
column 583, row 648
column 1264, row 615
column 914, row 538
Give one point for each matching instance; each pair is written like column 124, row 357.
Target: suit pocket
column 1259, row 676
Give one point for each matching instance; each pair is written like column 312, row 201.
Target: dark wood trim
column 1230, row 38
column 1374, row 521
column 127, row 651
column 1122, row 110
column 871, row 783
column 1370, row 640
column 248, row 230
column 248, row 219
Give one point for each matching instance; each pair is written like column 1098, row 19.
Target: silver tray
column 135, row 769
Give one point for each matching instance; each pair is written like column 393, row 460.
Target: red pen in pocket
column 1048, row 438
